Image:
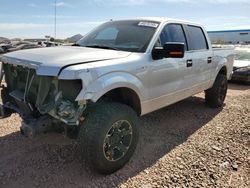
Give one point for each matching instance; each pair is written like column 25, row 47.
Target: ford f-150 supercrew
column 97, row 88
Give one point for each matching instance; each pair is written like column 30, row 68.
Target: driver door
column 166, row 75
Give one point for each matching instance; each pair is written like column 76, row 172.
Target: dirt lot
column 183, row 145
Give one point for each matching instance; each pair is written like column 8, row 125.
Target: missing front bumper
column 32, row 95
column 32, row 127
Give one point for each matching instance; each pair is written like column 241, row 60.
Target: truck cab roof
column 161, row 20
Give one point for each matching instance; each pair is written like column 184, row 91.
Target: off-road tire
column 93, row 131
column 216, row 95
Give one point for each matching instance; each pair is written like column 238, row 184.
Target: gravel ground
column 183, row 145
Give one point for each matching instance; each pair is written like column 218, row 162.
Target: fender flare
column 95, row 90
column 222, row 63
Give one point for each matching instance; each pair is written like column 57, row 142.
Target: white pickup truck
column 97, row 88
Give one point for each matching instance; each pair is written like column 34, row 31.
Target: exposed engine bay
column 36, row 97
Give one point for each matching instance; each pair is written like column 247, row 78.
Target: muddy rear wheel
column 216, row 95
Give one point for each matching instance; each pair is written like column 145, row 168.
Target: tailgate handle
column 209, row 60
column 189, row 63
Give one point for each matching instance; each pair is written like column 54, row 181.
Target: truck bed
column 227, row 53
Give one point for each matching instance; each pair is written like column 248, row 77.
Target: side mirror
column 169, row 50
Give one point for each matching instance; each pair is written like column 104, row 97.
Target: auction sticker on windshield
column 148, row 24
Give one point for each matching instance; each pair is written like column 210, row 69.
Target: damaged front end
column 40, row 100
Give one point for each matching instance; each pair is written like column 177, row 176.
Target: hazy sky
column 35, row 18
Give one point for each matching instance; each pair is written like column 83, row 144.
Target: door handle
column 189, row 63
column 209, row 60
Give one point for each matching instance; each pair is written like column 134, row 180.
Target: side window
column 172, row 33
column 197, row 38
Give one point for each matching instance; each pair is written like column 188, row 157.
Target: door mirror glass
column 174, row 50
column 169, row 50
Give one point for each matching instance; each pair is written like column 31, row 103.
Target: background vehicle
column 23, row 47
column 1, row 50
column 48, row 44
column 16, row 45
column 119, row 71
column 241, row 68
column 5, row 47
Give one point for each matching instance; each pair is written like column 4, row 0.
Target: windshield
column 132, row 36
column 242, row 55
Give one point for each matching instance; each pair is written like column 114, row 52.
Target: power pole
column 55, row 18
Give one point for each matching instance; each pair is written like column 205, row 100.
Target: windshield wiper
column 102, row 47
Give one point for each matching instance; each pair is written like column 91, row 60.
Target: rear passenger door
column 200, row 60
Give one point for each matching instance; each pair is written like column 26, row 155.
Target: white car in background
column 241, row 68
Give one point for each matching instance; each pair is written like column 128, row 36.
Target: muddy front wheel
column 108, row 137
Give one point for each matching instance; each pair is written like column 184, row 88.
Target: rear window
column 197, row 38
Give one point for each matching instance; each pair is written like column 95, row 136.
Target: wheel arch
column 124, row 95
column 223, row 70
column 127, row 87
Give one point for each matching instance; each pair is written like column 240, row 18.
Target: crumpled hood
column 50, row 61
